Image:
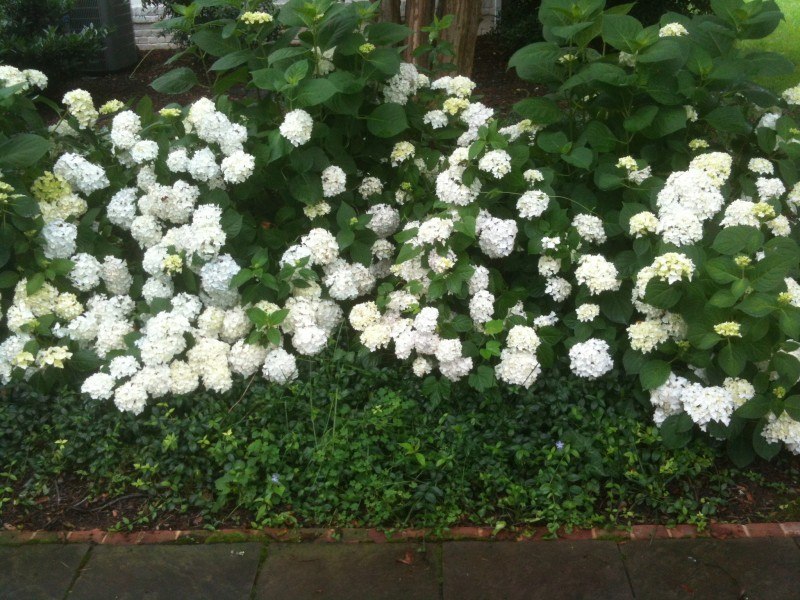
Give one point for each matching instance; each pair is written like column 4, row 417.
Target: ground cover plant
column 353, row 444
column 637, row 222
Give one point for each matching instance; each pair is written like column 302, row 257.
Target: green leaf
column 737, row 239
column 34, row 284
column 620, row 31
column 654, row 373
column 600, row 137
column 232, row 60
column 723, row 270
column 595, row 73
column 579, row 157
column 314, row 91
column 787, row 366
column 792, row 406
column 640, row 119
column 22, row 150
column 8, row 279
column 385, row 60
column 732, row 359
column 537, row 62
column 763, row 448
column 740, row 451
column 210, row 40
column 482, row 379
column 177, row 81
column 541, row 111
column 755, row 408
column 676, row 430
column 661, row 294
column 494, row 327
column 231, row 223
column 758, row 305
column 729, row 119
column 770, row 272
column 387, row 120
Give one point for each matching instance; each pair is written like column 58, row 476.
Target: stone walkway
column 736, row 569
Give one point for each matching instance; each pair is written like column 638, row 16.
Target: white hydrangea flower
column 496, row 162
column 385, row 220
column 706, row 404
column 80, row 105
column 679, row 226
column 518, row 368
column 403, row 85
column 590, row 228
column 532, row 204
column 597, row 273
column 645, row 336
column 402, row 152
column 643, row 223
column 587, row 312
column 479, row 280
column 370, row 186
column 296, row 127
column 481, row 306
column 761, row 166
column 666, row 399
column 769, row 188
column 322, row 246
column 334, row 181
column 558, row 288
column 237, row 167
column 548, row 266
column 80, row 174
column 60, row 239
column 437, row 119
column 496, row 236
column 125, row 128
column 740, row 212
column 280, row 367
column 590, row 359
column 784, row 428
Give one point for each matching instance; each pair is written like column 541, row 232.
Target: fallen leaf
column 408, row 558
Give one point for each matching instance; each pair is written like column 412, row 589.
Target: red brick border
column 719, row 531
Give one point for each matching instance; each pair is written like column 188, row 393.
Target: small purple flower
column 559, row 445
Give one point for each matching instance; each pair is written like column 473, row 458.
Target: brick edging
column 351, row 536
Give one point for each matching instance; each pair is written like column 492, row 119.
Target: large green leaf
column 620, row 31
column 537, row 62
column 22, row 150
column 177, row 81
column 387, row 120
column 654, row 373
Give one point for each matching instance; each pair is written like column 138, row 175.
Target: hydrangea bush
column 641, row 216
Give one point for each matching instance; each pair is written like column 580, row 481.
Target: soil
column 498, row 87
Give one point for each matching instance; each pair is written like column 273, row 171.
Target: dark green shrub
column 181, row 21
column 36, row 34
column 519, row 24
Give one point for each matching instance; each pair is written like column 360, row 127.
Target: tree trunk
column 419, row 14
column 463, row 33
column 390, row 11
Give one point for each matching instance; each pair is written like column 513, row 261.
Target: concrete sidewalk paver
column 210, row 571
column 552, row 570
column 38, row 571
column 349, row 571
column 755, row 569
